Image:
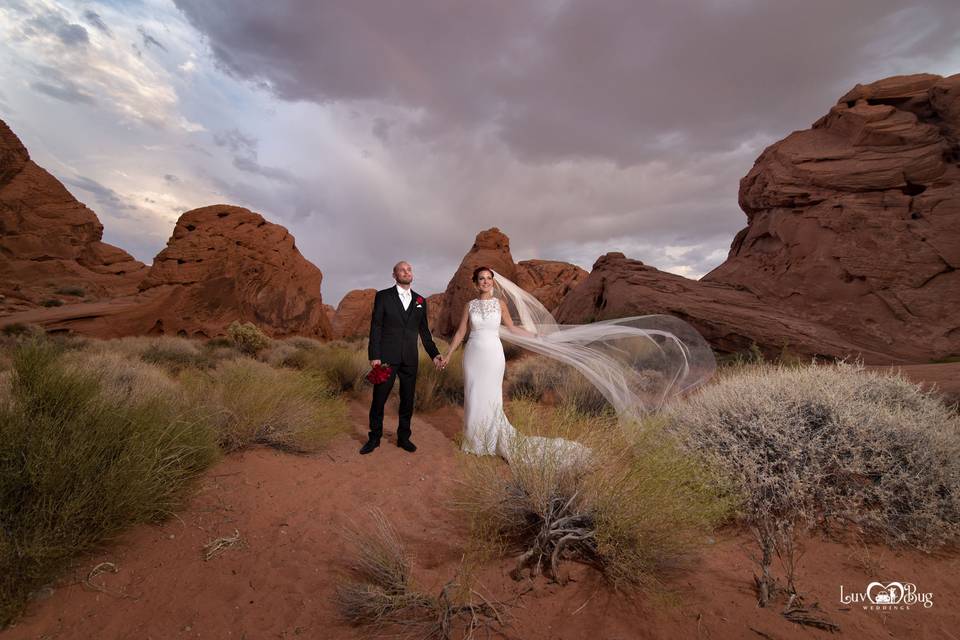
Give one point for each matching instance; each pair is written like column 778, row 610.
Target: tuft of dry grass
column 77, row 466
column 250, row 402
column 380, row 591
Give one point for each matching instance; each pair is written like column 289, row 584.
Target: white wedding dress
column 487, row 431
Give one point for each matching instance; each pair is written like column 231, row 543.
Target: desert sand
column 289, row 511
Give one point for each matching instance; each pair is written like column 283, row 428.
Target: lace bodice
column 484, row 315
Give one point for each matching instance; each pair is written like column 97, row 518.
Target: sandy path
column 288, row 510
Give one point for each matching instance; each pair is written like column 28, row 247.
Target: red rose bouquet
column 380, row 373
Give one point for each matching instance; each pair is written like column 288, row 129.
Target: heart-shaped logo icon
column 879, row 593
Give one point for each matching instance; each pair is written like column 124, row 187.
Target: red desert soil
column 289, row 509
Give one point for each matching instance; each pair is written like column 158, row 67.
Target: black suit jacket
column 393, row 331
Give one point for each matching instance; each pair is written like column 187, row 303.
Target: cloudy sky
column 377, row 130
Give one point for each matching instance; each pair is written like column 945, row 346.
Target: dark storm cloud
column 70, row 33
column 93, row 19
column 65, row 90
column 613, row 79
column 149, row 40
column 244, row 150
column 111, row 201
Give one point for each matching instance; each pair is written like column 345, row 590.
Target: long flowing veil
column 637, row 363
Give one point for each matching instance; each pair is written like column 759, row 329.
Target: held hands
column 374, row 363
column 440, row 362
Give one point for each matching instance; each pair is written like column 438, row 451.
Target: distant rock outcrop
column 855, row 223
column 548, row 280
column 352, row 319
column 50, row 243
column 222, row 263
column 491, row 248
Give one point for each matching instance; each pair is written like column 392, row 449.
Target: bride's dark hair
column 478, row 271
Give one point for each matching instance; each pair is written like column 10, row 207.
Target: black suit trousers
column 408, row 381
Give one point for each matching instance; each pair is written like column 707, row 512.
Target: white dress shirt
column 404, row 296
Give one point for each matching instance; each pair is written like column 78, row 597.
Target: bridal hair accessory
column 380, row 373
column 638, row 363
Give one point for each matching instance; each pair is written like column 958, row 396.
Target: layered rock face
column 549, row 280
column 50, row 244
column 855, row 223
column 730, row 319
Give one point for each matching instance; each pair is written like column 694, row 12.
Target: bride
column 637, row 363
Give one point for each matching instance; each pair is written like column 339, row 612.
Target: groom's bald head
column 403, row 272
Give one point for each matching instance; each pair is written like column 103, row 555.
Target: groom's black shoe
column 406, row 445
column 369, row 446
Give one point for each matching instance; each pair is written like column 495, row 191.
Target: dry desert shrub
column 829, row 447
column 342, row 367
column 637, row 508
column 248, row 402
column 380, row 592
column 77, row 467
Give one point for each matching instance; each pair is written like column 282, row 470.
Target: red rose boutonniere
column 380, row 373
column 419, row 300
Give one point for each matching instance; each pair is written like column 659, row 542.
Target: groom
column 399, row 315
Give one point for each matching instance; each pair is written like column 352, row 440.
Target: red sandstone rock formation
column 353, row 314
column 50, row 244
column 730, row 319
column 222, row 263
column 491, row 248
column 855, row 223
column 549, row 280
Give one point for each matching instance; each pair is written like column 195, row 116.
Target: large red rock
column 50, row 244
column 222, row 263
column 352, row 319
column 855, row 223
column 549, row 280
column 730, row 319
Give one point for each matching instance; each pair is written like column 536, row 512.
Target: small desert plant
column 247, row 337
column 76, row 467
column 250, row 402
column 52, row 302
column 380, row 591
column 829, row 447
column 634, row 508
